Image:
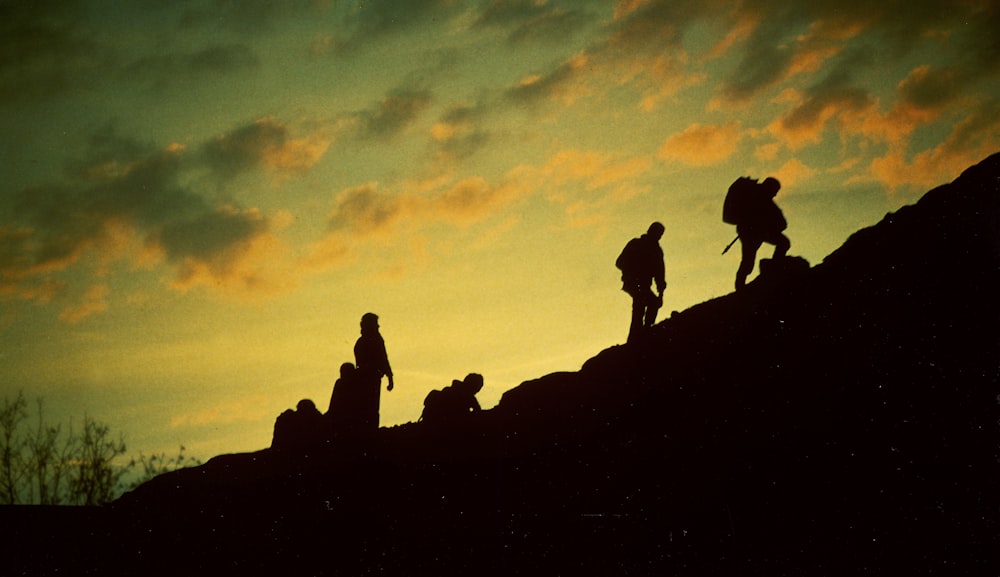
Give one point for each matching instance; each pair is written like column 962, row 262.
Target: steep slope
column 839, row 419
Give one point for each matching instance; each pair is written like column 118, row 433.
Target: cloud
column 393, row 113
column 265, row 143
column 702, row 145
column 167, row 69
column 247, row 17
column 368, row 212
column 94, row 301
column 564, row 84
column 643, row 46
column 804, row 124
column 232, row 251
column 248, row 409
column 457, row 133
column 367, row 23
column 792, row 173
column 532, row 22
column 973, row 138
column 46, row 54
column 129, row 201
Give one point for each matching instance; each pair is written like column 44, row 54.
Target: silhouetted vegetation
column 46, row 464
column 155, row 465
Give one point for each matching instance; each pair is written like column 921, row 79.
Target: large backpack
column 440, row 404
column 627, row 261
column 738, row 198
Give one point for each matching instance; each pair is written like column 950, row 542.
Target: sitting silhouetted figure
column 750, row 206
column 453, row 403
column 641, row 263
column 300, row 429
column 345, row 416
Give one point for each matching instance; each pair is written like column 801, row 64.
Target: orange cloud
column 792, row 173
column 296, row 155
column 232, row 252
column 971, row 140
column 367, row 211
column 805, row 123
column 265, row 143
column 702, row 145
column 94, row 301
column 249, row 409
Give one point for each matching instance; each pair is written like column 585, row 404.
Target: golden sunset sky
column 200, row 199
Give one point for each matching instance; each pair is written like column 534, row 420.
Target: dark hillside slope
column 833, row 420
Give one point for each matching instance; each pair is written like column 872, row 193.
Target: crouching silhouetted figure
column 454, row 403
column 300, row 429
column 346, row 415
column 641, row 263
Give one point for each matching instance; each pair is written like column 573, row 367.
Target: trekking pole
column 730, row 245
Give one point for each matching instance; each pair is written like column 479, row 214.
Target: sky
column 200, row 199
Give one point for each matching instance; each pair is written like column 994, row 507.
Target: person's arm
column 388, row 368
column 660, row 276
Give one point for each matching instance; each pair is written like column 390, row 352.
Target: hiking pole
column 730, row 245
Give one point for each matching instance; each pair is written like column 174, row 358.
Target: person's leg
column 653, row 304
column 638, row 311
column 781, row 246
column 749, row 247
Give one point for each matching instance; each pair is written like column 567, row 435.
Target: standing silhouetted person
column 641, row 263
column 372, row 364
column 347, row 403
column 759, row 221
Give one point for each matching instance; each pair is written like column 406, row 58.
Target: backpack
column 738, row 198
column 434, row 402
column 627, row 260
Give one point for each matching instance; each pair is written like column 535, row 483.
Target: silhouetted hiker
column 750, row 206
column 453, row 402
column 347, row 403
column 641, row 263
column 299, row 429
column 373, row 364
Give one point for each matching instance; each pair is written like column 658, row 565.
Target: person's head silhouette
column 656, row 230
column 771, row 186
column 473, row 383
column 369, row 323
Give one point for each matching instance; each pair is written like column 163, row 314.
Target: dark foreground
column 831, row 420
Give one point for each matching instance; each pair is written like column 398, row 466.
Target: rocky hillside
column 828, row 420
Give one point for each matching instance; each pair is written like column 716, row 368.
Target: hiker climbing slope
column 750, row 206
column 641, row 263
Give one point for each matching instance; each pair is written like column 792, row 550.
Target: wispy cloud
column 529, row 22
column 370, row 211
column 702, row 145
column 177, row 70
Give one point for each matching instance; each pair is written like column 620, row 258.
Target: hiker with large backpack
column 750, row 206
column 641, row 263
